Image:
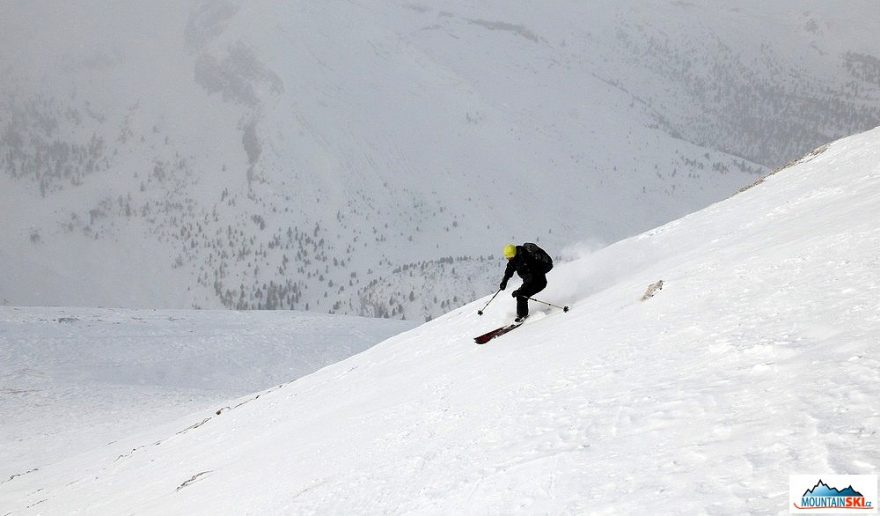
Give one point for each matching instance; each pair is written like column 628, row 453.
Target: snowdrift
column 756, row 360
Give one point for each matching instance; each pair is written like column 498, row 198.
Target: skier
column 532, row 264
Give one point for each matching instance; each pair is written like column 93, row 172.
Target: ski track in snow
column 757, row 360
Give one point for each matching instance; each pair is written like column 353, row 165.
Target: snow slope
column 74, row 379
column 364, row 157
column 756, row 360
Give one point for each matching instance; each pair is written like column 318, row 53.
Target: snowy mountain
column 372, row 157
column 757, row 359
column 822, row 489
column 76, row 378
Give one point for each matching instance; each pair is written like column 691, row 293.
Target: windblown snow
column 757, row 359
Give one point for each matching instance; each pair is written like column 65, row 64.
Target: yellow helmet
column 509, row 251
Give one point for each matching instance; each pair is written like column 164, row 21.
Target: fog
column 372, row 158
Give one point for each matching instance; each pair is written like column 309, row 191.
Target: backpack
column 539, row 257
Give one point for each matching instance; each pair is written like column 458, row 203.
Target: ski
column 486, row 337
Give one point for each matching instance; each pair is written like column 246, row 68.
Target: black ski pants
column 528, row 289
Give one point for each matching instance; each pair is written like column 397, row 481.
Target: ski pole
column 480, row 312
column 564, row 308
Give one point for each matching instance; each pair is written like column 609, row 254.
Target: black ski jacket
column 524, row 265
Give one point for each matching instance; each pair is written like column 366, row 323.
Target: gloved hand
column 503, row 285
column 515, row 293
